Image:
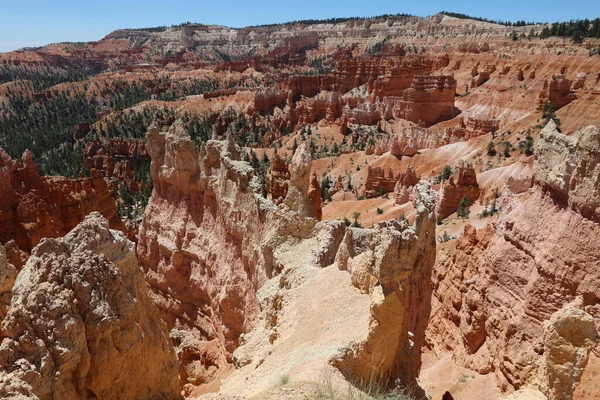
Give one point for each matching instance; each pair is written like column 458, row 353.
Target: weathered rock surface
column 493, row 292
column 557, row 91
column 8, row 274
column 568, row 167
column 116, row 158
column 297, row 198
column 391, row 263
column 379, row 182
column 228, row 270
column 209, row 240
column 278, row 178
column 34, row 207
column 451, row 192
column 404, row 183
column 569, row 336
column 81, row 325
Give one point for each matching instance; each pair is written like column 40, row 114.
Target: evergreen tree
column 463, row 208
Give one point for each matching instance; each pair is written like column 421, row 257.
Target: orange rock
column 451, row 193
column 377, row 181
column 557, row 91
column 278, row 178
column 34, row 207
column 314, row 194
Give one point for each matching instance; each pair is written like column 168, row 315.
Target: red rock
column 377, row 182
column 557, row 91
column 81, row 130
column 34, row 207
column 314, row 194
column 115, row 160
column 269, row 138
column 451, row 193
column 278, row 178
column 480, row 77
column 344, row 125
column 430, row 99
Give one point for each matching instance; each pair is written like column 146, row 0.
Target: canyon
column 388, row 207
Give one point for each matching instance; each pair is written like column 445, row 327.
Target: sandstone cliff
column 34, row 207
column 568, row 167
column 495, row 289
column 451, row 192
column 232, row 273
column 392, row 264
column 81, row 325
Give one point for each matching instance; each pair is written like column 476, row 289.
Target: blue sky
column 38, row 22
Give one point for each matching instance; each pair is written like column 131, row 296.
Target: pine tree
column 463, row 208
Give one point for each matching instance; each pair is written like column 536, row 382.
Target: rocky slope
column 494, row 291
column 106, row 340
column 222, row 262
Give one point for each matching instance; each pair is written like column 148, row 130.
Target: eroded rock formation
column 391, row 262
column 493, row 292
column 278, row 178
column 569, row 336
column 203, row 269
column 404, row 183
column 379, row 182
column 81, row 325
column 116, row 159
column 34, row 207
column 451, row 192
column 568, row 168
column 8, row 274
column 557, row 92
column 213, row 249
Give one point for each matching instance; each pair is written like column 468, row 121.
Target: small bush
column 284, row 380
column 491, row 149
column 379, row 211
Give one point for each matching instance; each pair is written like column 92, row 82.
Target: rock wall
column 496, row 287
column 404, row 185
column 568, row 167
column 557, row 91
column 116, row 158
column 81, row 325
column 451, row 192
column 278, row 178
column 391, row 262
column 209, row 240
column 377, row 181
column 8, row 274
column 430, row 99
column 34, row 207
column 213, row 250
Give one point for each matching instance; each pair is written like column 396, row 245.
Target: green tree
column 356, row 216
column 491, row 149
column 507, row 147
column 463, row 208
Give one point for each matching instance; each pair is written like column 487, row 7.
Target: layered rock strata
column 226, row 267
column 568, row 167
column 391, row 263
column 494, row 291
column 452, row 192
column 34, row 207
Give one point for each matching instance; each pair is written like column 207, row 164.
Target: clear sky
column 39, row 22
